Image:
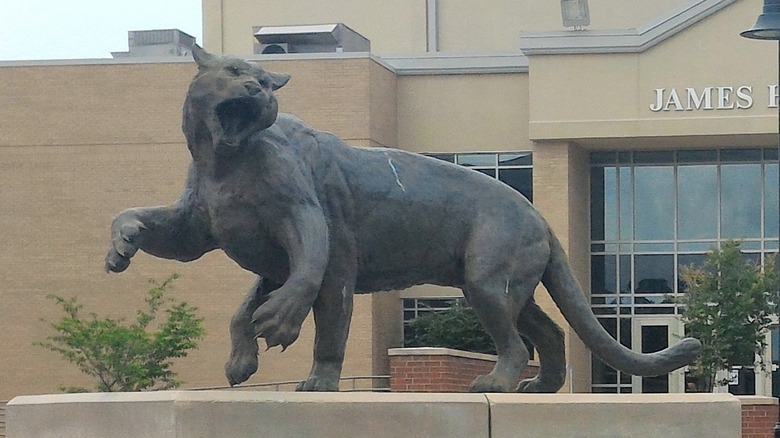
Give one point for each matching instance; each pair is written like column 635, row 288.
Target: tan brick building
column 653, row 102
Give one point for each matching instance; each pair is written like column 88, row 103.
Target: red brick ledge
column 759, row 416
column 433, row 369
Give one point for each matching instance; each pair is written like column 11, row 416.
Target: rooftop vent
column 316, row 38
column 156, row 43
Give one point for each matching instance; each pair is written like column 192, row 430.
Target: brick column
column 759, row 416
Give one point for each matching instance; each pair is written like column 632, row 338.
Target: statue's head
column 228, row 101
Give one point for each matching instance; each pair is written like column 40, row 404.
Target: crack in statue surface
column 308, row 215
column 395, row 172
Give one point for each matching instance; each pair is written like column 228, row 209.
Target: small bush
column 126, row 356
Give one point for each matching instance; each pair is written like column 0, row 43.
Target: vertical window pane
column 603, row 274
column 610, row 204
column 519, row 179
column 771, row 214
column 654, row 273
column 626, row 202
column 740, row 201
column 600, row 372
column 697, row 194
column 625, row 274
column 655, row 199
column 597, row 203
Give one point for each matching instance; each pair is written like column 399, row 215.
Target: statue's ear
column 202, row 57
column 278, row 80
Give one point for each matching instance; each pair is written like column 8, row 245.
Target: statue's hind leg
column 243, row 354
column 548, row 339
column 497, row 304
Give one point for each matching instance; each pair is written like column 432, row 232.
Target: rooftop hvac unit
column 274, row 48
column 313, row 38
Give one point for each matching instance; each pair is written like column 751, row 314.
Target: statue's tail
column 567, row 294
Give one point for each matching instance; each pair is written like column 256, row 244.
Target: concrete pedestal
column 237, row 414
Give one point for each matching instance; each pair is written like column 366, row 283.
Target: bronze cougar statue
column 319, row 221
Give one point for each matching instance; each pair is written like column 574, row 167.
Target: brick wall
column 759, row 416
column 439, row 369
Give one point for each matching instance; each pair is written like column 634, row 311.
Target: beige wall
column 80, row 144
column 468, row 27
column 400, row 27
column 463, row 113
column 392, row 27
column 594, row 96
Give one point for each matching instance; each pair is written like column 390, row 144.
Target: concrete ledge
column 237, row 414
column 615, row 416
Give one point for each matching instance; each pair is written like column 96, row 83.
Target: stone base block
column 615, row 416
column 237, row 414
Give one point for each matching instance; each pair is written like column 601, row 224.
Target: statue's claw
column 279, row 320
column 125, row 232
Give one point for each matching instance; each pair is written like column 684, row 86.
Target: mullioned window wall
column 654, row 211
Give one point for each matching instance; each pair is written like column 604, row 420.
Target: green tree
column 127, row 356
column 457, row 328
column 728, row 305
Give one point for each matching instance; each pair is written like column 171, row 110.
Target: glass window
column 603, row 274
column 450, row 158
column 625, row 274
column 597, row 195
column 523, row 158
column 655, row 201
column 771, row 213
column 740, row 155
column 654, row 211
column 700, row 156
column 740, row 201
column 476, row 160
column 489, row 172
column 519, row 179
column 626, row 204
column 654, row 273
column 697, row 202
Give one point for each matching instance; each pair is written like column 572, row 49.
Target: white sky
column 72, row 29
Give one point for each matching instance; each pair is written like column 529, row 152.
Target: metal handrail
column 278, row 385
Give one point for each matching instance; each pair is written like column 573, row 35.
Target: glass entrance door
column 653, row 334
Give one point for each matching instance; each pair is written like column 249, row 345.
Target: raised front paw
column 279, row 319
column 125, row 232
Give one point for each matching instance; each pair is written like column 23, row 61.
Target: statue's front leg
column 304, row 235
column 332, row 317
column 171, row 232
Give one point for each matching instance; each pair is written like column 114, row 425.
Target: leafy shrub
column 126, row 356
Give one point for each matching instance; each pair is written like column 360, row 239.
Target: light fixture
column 767, row 26
column 575, row 13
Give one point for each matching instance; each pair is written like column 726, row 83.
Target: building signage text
column 710, row 98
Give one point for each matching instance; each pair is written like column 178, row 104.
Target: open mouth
column 236, row 116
